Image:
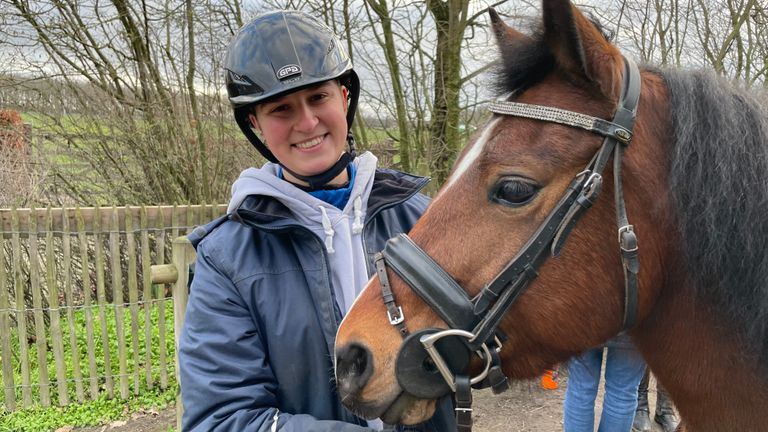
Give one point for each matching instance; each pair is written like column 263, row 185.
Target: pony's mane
column 719, row 184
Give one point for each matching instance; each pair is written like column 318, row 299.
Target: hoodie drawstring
column 357, row 225
column 329, row 232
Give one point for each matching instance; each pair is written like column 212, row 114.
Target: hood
column 305, row 208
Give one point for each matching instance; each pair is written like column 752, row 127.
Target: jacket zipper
column 295, row 227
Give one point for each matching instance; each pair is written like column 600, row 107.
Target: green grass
column 102, row 409
column 377, row 135
column 70, row 124
column 89, row 413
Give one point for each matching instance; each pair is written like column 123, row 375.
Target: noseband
column 432, row 362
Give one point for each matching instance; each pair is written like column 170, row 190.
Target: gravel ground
column 526, row 407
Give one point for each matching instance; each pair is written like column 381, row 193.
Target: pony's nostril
column 354, row 367
column 351, row 360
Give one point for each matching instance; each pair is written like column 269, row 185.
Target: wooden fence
column 79, row 315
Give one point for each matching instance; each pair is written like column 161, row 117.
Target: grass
column 90, row 413
column 69, row 124
column 102, row 409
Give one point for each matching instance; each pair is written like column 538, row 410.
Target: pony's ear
column 507, row 38
column 505, row 35
column 580, row 48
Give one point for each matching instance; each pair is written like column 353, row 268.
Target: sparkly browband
column 556, row 115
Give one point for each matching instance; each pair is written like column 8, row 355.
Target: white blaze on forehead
column 472, row 155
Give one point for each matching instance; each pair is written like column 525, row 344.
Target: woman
column 275, row 277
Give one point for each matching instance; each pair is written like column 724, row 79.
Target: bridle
column 429, row 359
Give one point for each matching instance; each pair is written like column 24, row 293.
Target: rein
column 428, row 359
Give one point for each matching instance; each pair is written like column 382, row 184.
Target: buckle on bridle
column 496, row 343
column 398, row 318
column 623, row 135
column 592, row 185
column 627, row 238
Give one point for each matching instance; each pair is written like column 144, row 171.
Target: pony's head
column 506, row 186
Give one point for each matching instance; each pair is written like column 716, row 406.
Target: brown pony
column 695, row 184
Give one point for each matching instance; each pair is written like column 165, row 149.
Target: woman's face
column 306, row 130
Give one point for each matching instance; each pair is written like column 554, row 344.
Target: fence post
column 183, row 257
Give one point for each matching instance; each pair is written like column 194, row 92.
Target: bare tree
column 424, row 82
column 151, row 120
column 453, row 19
column 728, row 36
column 133, row 90
column 379, row 10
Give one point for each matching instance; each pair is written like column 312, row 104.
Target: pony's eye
column 513, row 192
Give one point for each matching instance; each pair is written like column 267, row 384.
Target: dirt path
column 526, row 407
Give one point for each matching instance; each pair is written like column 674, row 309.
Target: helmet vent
column 241, row 85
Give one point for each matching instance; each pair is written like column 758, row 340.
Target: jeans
column 624, row 369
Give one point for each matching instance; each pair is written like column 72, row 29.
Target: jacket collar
column 390, row 187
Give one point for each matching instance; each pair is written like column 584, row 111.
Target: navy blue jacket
column 258, row 338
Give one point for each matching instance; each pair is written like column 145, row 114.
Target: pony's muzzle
column 354, row 367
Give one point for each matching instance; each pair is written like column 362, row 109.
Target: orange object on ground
column 548, row 380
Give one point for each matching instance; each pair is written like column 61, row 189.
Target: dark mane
column 719, row 182
column 524, row 65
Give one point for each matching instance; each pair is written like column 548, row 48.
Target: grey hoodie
column 341, row 229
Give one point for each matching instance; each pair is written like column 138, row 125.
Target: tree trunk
column 381, row 9
column 450, row 20
column 202, row 154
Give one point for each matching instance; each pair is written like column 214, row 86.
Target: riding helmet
column 281, row 52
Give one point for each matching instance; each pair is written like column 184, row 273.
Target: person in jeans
column 665, row 412
column 624, row 367
column 275, row 277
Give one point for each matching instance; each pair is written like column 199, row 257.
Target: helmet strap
column 245, row 126
column 319, row 180
column 351, row 143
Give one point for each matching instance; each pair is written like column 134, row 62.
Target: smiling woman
column 274, row 278
column 456, row 302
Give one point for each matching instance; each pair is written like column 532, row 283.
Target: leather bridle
column 432, row 362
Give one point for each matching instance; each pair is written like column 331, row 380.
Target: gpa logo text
column 287, row 71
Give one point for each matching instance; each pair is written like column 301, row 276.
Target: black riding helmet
column 282, row 52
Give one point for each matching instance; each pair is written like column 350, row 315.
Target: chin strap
column 320, row 180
